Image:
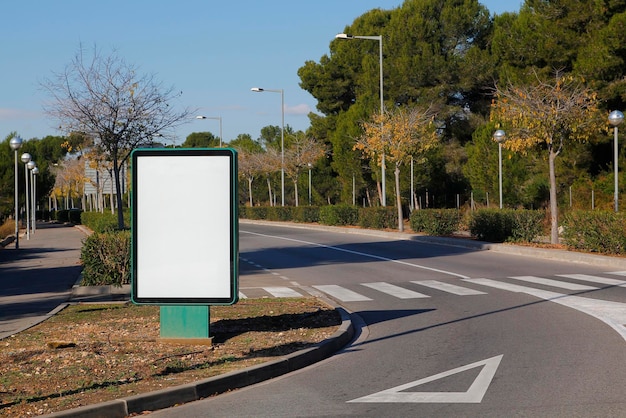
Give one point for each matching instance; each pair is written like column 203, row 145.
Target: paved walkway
column 38, row 277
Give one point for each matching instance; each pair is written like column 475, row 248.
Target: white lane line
column 611, row 313
column 376, row 257
column 282, row 292
column 449, row 288
column 618, row 273
column 594, row 279
column 242, row 296
column 396, row 291
column 341, row 293
column 553, row 283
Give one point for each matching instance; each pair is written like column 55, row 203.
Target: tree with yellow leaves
column 548, row 114
column 400, row 134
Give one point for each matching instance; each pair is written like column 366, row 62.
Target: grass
column 90, row 353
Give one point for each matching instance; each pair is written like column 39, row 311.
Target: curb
column 166, row 398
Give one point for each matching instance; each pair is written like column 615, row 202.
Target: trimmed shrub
column 106, row 259
column 595, row 231
column 500, row 225
column 378, row 217
column 279, row 213
column 339, row 215
column 307, row 214
column 103, row 222
column 435, row 221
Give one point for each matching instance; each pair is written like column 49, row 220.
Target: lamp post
column 216, row 118
column 31, row 166
column 615, row 119
column 378, row 38
column 26, row 159
column 309, row 184
column 34, row 173
column 500, row 136
column 282, row 137
column 16, row 143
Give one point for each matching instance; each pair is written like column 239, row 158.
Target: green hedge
column 67, row 215
column 103, row 222
column 106, row 259
column 595, row 231
column 435, row 221
column 378, row 217
column 339, row 215
column 500, row 225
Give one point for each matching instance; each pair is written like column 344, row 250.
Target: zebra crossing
column 365, row 292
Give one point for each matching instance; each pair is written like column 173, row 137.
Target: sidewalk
column 38, row 277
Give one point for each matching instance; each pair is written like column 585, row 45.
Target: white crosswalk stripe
column 393, row 290
column 449, row 288
column 345, row 294
column 341, row 293
column 282, row 292
column 595, row 279
column 554, row 283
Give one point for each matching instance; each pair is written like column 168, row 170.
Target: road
column 443, row 331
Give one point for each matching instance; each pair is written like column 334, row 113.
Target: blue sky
column 214, row 52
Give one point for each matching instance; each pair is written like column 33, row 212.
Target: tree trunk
column 250, row 189
column 380, row 193
column 295, row 186
column 118, row 195
column 399, row 199
column 269, row 190
column 554, row 211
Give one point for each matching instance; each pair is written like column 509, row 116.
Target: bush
column 378, row 217
column 307, row 214
column 103, row 222
column 595, row 231
column 435, row 221
column 7, row 228
column 279, row 213
column 339, row 215
column 500, row 225
column 106, row 259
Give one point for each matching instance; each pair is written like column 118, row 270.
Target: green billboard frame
column 184, row 226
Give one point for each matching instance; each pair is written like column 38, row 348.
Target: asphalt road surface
column 442, row 331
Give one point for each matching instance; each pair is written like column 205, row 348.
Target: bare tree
column 106, row 98
column 303, row 152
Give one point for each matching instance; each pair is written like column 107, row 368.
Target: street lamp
column 309, row 164
column 500, row 136
column 16, row 143
column 378, row 38
column 216, row 118
column 26, row 159
column 31, row 166
column 34, row 173
column 282, row 137
column 615, row 119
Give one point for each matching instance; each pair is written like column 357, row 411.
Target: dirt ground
column 93, row 353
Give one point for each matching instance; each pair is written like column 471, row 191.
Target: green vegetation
column 106, row 259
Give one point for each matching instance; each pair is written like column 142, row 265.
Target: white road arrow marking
column 474, row 394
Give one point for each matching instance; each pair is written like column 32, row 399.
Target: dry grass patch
column 93, row 353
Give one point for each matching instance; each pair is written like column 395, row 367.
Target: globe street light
column 378, row 38
column 26, row 159
column 34, row 173
column 500, row 136
column 31, row 166
column 615, row 119
column 15, row 144
column 282, row 137
column 216, row 118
